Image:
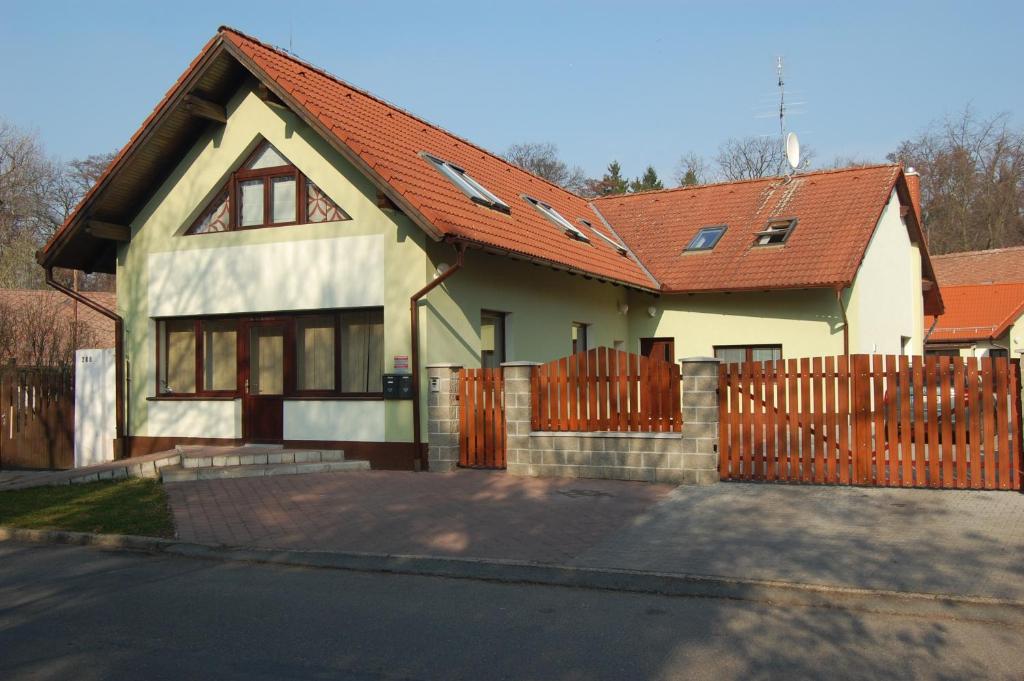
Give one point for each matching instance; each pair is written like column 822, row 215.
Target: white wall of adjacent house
column 885, row 305
column 95, row 419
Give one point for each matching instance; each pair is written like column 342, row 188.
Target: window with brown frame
column 337, row 353
column 266, row 191
column 748, row 353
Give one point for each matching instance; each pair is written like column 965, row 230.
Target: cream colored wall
column 343, row 420
column 885, row 301
column 375, row 258
column 806, row 323
column 194, row 418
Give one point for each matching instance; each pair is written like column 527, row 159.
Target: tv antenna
column 782, row 99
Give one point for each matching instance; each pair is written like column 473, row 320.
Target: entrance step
column 171, row 474
column 248, row 455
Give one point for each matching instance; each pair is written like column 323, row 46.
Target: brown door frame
column 654, row 341
column 288, row 379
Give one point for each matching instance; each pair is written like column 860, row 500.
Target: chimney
column 914, row 185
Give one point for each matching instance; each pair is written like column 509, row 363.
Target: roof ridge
column 366, row 93
column 964, row 254
column 750, row 180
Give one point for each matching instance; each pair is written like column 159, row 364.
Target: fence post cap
column 521, row 364
column 443, row 365
column 695, row 360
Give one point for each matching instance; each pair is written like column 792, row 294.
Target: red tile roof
column 390, row 141
column 837, row 211
column 53, row 307
column 999, row 265
column 977, row 312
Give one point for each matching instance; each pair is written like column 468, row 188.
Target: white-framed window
column 556, row 218
column 466, row 184
column 776, row 232
column 621, row 248
column 706, row 238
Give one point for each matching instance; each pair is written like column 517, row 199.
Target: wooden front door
column 265, row 370
column 659, row 348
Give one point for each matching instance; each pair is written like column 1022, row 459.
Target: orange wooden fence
column 884, row 420
column 37, row 418
column 606, row 390
column 481, row 418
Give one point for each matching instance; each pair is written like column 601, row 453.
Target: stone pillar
column 517, row 416
column 700, row 418
column 442, row 417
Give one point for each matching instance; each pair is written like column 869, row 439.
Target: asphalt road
column 83, row 613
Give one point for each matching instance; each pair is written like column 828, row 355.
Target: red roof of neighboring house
column 999, row 265
column 837, row 211
column 391, row 141
column 977, row 312
column 57, row 311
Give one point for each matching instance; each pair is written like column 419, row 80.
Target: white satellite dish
column 793, row 150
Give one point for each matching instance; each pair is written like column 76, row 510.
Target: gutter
column 414, row 358
column 119, row 402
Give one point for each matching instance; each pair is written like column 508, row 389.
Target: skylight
column 467, row 185
column 707, row 238
column 556, row 217
column 776, row 233
column 611, row 242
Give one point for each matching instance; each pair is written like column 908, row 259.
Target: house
column 984, row 301
column 286, row 246
column 44, row 328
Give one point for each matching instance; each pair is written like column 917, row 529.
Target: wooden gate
column 481, row 418
column 882, row 420
column 37, row 418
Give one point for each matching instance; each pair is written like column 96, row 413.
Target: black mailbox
column 397, row 386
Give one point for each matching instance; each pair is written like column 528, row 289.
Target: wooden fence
column 606, row 390
column 879, row 420
column 37, row 418
column 481, row 418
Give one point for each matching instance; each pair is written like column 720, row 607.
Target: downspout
column 414, row 358
column 930, row 329
column 119, row 404
column 846, row 322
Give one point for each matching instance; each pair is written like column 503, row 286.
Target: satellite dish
column 793, row 150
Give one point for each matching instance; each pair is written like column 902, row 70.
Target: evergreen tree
column 611, row 183
column 689, row 179
column 646, row 182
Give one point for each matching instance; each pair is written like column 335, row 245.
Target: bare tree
column 542, row 160
column 746, row 158
column 43, row 333
column 972, row 182
column 691, row 170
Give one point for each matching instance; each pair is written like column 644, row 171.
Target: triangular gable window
column 267, row 191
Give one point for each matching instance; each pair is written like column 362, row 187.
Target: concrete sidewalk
column 952, row 542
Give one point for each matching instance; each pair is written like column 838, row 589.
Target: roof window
column 467, row 185
column 776, row 233
column 555, row 217
column 611, row 242
column 707, row 238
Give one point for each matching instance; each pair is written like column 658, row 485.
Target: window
column 748, row 353
column 466, row 184
column 579, row 337
column 335, row 353
column 776, row 233
column 267, row 191
column 706, row 239
column 492, row 339
column 555, row 217
column 611, row 242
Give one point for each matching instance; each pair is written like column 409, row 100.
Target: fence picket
column 904, row 426
column 988, row 461
column 975, row 421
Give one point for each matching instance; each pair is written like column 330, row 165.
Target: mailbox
column 397, row 386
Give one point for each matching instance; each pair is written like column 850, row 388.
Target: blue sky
column 641, row 82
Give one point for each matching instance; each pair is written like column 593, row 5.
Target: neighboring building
column 983, row 293
column 271, row 227
column 44, row 328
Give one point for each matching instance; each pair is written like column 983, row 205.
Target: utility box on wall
column 95, row 420
column 397, row 386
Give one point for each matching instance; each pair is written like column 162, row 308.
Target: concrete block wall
column 443, row 417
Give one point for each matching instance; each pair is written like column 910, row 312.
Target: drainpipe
column 846, row 322
column 930, row 330
column 119, row 403
column 414, row 358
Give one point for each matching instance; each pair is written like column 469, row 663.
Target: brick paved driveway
column 467, row 513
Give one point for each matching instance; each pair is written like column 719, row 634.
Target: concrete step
column 181, row 474
column 241, row 457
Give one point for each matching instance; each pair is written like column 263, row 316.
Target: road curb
column 950, row 606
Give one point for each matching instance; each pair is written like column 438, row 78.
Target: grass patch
column 122, row 507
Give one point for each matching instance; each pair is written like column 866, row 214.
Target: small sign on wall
column 435, row 384
column 401, row 363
